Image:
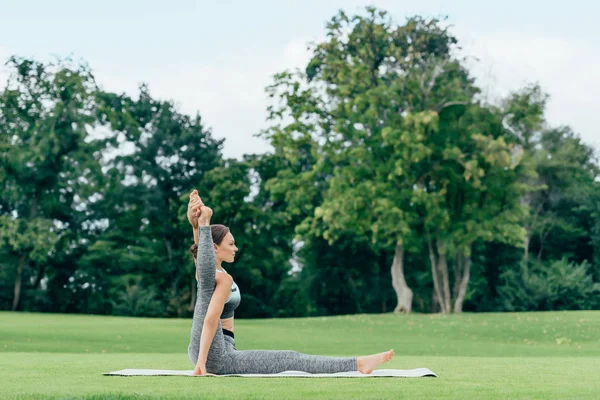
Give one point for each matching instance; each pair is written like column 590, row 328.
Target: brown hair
column 218, row 233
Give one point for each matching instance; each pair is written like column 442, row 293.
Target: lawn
column 554, row 355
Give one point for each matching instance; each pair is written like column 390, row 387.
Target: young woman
column 212, row 345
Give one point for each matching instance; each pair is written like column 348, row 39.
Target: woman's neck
column 219, row 265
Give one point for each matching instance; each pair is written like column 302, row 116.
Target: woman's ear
column 215, row 247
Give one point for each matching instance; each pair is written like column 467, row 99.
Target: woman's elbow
column 211, row 321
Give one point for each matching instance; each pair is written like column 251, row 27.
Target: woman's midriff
column 227, row 323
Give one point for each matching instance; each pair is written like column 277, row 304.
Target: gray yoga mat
column 395, row 373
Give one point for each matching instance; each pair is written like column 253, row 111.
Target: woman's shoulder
column 223, row 277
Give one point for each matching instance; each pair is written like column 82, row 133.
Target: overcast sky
column 216, row 57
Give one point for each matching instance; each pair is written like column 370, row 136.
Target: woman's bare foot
column 366, row 364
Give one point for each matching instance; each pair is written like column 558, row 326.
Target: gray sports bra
column 232, row 302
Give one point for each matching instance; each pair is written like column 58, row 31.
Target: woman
column 212, row 346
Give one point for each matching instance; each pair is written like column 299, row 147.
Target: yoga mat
column 396, row 373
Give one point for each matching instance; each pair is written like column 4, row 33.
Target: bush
column 292, row 298
column 137, row 300
column 557, row 285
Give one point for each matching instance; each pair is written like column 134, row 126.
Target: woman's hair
column 218, row 233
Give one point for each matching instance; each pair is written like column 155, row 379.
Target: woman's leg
column 275, row 361
column 206, row 266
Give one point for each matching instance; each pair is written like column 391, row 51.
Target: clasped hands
column 198, row 214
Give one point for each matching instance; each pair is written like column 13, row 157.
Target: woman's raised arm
column 206, row 261
column 193, row 212
column 211, row 321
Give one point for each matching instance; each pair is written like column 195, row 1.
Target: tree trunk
column 530, row 226
column 443, row 270
column 18, row 283
column 39, row 277
column 462, row 279
column 19, row 277
column 176, row 271
column 403, row 293
column 437, row 287
column 435, row 303
column 169, row 248
column 357, row 304
column 543, row 237
column 439, row 272
column 457, row 264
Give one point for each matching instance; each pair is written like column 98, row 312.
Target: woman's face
column 227, row 249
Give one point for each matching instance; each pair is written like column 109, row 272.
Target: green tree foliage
column 594, row 207
column 555, row 285
column 47, row 169
column 560, row 181
column 391, row 186
column 145, row 194
column 261, row 233
column 398, row 150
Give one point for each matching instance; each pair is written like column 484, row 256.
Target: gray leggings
column 223, row 357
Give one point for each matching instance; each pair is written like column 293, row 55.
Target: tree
column 561, row 174
column 379, row 110
column 235, row 191
column 567, row 169
column 524, row 120
column 469, row 192
column 46, row 166
column 594, row 206
column 342, row 107
column 146, row 191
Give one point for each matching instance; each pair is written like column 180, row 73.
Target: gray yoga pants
column 223, row 357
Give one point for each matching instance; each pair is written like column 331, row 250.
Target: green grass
column 476, row 356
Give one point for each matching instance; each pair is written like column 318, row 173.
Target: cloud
column 231, row 100
column 567, row 69
column 230, row 97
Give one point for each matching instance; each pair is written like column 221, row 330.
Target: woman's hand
column 205, row 214
column 198, row 213
column 200, row 370
column 193, row 211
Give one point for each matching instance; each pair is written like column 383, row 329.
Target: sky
column 216, row 57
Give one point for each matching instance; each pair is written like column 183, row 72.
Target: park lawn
column 476, row 356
